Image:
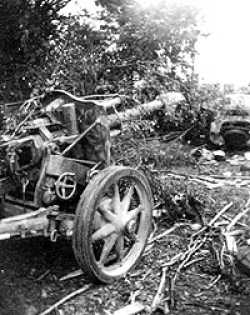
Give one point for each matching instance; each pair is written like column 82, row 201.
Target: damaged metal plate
column 232, row 124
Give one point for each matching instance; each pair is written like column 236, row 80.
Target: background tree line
column 127, row 43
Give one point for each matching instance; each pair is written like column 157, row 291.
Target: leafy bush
column 132, row 45
column 27, row 28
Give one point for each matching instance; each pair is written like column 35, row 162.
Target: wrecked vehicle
column 231, row 127
column 57, row 181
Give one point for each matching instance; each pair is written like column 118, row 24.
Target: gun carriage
column 56, row 181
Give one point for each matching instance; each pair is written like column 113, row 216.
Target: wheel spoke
column 132, row 214
column 98, row 221
column 103, row 232
column 67, row 185
column 103, row 208
column 63, row 192
column 107, row 248
column 116, row 199
column 120, row 246
column 126, row 201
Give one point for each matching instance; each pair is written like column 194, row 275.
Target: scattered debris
column 219, row 155
column 245, row 167
column 43, row 275
column 239, row 216
column 236, row 160
column 195, row 226
column 247, row 155
column 220, row 213
column 167, row 232
column 199, row 240
column 131, row 309
column 202, row 154
column 188, row 207
column 72, row 275
column 227, row 174
column 31, row 310
column 67, row 298
column 211, row 181
column 44, row 294
column 160, row 292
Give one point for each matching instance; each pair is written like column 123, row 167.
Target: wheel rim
column 121, row 221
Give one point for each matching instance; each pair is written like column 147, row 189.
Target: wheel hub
column 121, row 219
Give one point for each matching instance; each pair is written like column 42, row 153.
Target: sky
column 223, row 56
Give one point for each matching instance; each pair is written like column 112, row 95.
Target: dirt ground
column 30, row 269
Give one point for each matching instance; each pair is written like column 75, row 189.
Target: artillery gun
column 56, row 181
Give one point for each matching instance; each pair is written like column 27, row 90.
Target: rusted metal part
column 232, row 123
column 27, row 225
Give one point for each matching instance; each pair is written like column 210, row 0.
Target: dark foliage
column 127, row 45
column 27, row 28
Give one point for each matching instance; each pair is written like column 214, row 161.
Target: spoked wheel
column 113, row 221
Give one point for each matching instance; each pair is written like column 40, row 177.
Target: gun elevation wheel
column 113, row 221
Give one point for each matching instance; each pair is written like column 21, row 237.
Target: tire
column 99, row 210
column 235, row 139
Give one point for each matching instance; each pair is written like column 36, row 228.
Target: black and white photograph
column 124, row 157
